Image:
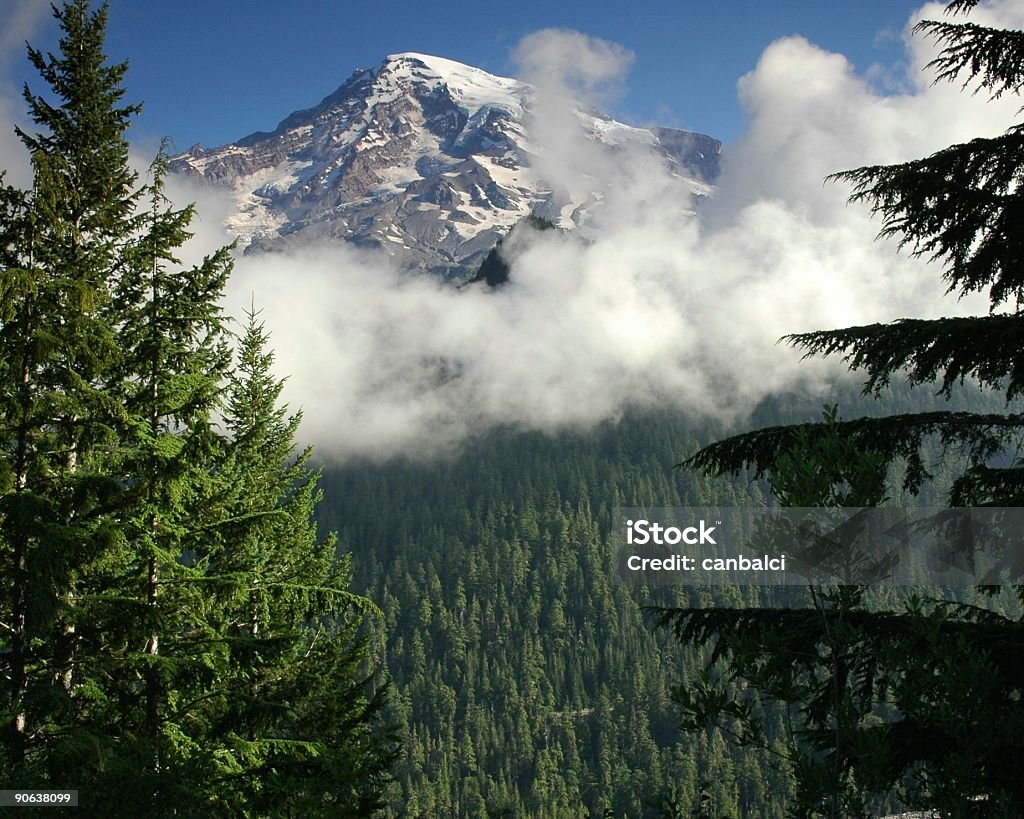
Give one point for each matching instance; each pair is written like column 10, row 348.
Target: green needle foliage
column 175, row 637
column 962, row 207
column 300, row 704
column 818, row 660
column 921, row 698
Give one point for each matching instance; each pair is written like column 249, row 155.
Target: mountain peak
column 470, row 87
column 426, row 157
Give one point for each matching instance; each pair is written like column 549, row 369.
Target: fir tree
column 176, row 636
column 300, row 698
column 61, row 240
column 960, row 207
column 943, row 682
column 148, row 635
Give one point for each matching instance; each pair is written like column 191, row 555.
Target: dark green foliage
column 948, row 351
column 494, row 269
column 961, row 206
column 56, row 352
column 820, row 663
column 176, row 636
column 990, row 56
column 83, row 136
column 920, row 702
column 524, row 672
column 895, row 437
column 300, row 701
column 921, row 696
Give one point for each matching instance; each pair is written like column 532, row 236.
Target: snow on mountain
column 426, row 157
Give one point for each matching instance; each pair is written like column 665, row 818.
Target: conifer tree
column 175, row 636
column 960, row 207
column 148, row 634
column 61, row 240
column 942, row 683
column 299, row 695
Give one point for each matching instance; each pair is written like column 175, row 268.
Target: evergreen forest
column 199, row 618
column 528, row 676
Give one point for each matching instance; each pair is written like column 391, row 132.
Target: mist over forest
column 293, row 522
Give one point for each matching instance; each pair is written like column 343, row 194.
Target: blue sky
column 211, row 72
column 653, row 308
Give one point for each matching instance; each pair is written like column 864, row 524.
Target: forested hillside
column 527, row 676
column 195, row 619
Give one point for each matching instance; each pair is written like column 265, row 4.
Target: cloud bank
column 651, row 306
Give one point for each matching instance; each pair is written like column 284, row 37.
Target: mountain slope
column 429, row 158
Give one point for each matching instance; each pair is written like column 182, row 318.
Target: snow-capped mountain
column 428, row 158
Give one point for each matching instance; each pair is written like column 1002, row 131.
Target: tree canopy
column 920, row 697
column 176, row 636
column 962, row 208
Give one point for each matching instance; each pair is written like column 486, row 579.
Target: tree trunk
column 19, row 573
column 152, row 677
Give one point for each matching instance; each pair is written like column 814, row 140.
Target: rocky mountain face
column 428, row 158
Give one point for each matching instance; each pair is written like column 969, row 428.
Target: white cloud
column 652, row 307
column 574, row 65
column 20, row 20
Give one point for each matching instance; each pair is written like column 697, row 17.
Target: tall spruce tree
column 61, row 240
column 942, row 682
column 149, row 594
column 175, row 638
column 300, row 698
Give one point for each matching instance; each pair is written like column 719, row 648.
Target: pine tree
column 176, row 636
column 300, row 696
column 61, row 239
column 950, row 676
